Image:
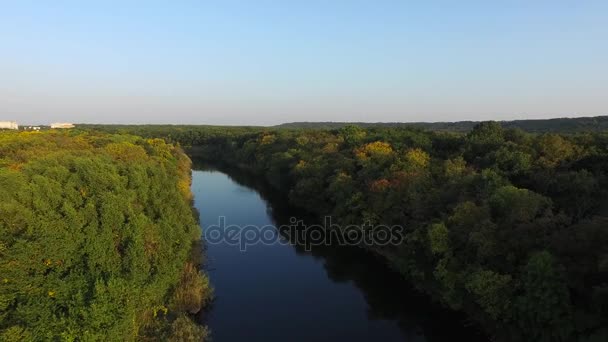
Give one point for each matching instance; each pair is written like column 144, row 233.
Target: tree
column 353, row 135
column 544, row 310
column 492, row 292
column 553, row 150
column 484, row 138
column 439, row 239
column 513, row 205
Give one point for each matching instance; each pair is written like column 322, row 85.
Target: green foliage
column 553, row 150
column 449, row 280
column 478, row 207
column 544, row 308
column 193, row 291
column 439, row 238
column 492, row 292
column 489, row 134
column 352, row 135
column 94, row 233
column 184, row 329
column 517, row 205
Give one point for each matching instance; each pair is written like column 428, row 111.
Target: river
column 281, row 292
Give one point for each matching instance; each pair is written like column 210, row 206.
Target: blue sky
column 267, row 62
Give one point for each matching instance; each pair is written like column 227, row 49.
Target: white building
column 62, row 125
column 8, row 125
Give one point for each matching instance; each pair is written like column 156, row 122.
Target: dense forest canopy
column 96, row 236
column 508, row 226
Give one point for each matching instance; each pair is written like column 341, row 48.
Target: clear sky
column 267, row 62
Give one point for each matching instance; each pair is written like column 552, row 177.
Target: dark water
column 281, row 292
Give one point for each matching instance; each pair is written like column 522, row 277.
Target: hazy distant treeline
column 560, row 125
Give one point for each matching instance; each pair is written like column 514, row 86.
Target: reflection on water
column 282, row 292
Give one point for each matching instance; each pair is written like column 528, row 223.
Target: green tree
column 492, row 292
column 513, row 205
column 544, row 310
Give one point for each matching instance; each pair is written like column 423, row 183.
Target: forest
column 508, row 226
column 558, row 125
column 98, row 239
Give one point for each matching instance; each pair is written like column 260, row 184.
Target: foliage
column 544, row 307
column 193, row 291
column 439, row 238
column 94, row 234
column 184, row 330
column 492, row 292
column 509, row 226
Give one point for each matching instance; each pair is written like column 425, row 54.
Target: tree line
column 596, row 124
column 558, row 125
column 96, row 239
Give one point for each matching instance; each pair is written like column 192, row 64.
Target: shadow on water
column 388, row 295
